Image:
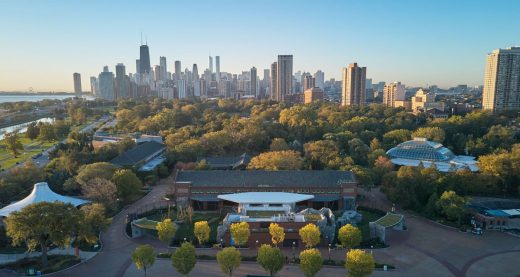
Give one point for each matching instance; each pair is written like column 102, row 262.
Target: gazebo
column 40, row 193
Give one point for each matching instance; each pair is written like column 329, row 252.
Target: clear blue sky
column 417, row 42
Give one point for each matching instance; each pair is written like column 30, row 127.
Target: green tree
column 394, row 137
column 32, row 131
column 228, row 260
column 323, row 154
column 41, row 224
column 358, row 150
column 240, row 232
column 143, row 257
column 270, row 258
column 127, row 183
column 349, row 236
column 359, row 263
column 431, row 133
column 301, row 120
column 201, row 231
column 279, row 144
column 166, row 230
column 277, row 233
column 47, row 132
column 276, row 160
column 12, row 143
column 310, row 235
column 311, row 261
column 93, row 220
column 184, row 258
column 452, row 205
column 95, row 170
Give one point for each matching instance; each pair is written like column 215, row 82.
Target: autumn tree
column 202, row 231
column 323, row 154
column 240, row 232
column 452, row 205
column 184, row 258
column 270, row 258
column 311, row 261
column 102, row 191
column 228, row 260
column 310, row 235
column 431, row 133
column 41, row 224
column 359, row 263
column 277, row 160
column 95, row 170
column 12, row 143
column 279, row 144
column 143, row 257
column 166, row 230
column 277, row 233
column 349, row 236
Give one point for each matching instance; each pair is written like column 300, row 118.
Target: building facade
column 284, row 77
column 274, row 81
column 502, row 80
column 393, row 92
column 353, row 90
column 77, row 82
column 313, row 94
column 106, row 84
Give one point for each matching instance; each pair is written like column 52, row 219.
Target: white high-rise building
column 502, row 80
column 182, row 89
column 319, row 77
column 164, row 71
column 353, row 89
column 393, row 92
column 211, row 64
column 94, row 85
column 217, row 67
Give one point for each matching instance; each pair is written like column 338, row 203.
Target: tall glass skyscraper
column 144, row 60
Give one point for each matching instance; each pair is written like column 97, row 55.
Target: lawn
column 186, row 230
column 31, row 148
column 389, row 220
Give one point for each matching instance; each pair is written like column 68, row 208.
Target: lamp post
column 329, row 250
column 294, row 251
column 168, row 199
column 221, row 243
column 256, row 244
column 371, row 249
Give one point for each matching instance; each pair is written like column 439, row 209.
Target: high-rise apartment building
column 93, row 85
column 319, row 76
column 308, row 82
column 177, row 70
column 121, row 84
column 274, row 81
column 106, row 84
column 393, row 92
column 313, row 94
column 156, row 73
column 144, row 59
column 502, row 80
column 182, row 89
column 77, row 82
column 211, row 64
column 254, row 82
column 137, row 66
column 284, row 77
column 217, row 67
column 195, row 80
column 353, row 89
column 164, row 71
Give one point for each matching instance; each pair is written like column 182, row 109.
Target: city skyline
column 369, row 33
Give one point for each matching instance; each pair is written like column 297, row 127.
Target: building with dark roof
column 228, row 163
column 200, row 189
column 140, row 155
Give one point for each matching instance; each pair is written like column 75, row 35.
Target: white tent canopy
column 40, row 193
column 265, row 197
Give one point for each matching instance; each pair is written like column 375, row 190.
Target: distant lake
column 36, row 97
column 22, row 128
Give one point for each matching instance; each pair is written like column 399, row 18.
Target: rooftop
column 138, row 153
column 261, row 178
column 265, row 197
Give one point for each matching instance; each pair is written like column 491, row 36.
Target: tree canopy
column 143, row 257
column 228, row 259
column 359, row 263
column 184, row 258
column 310, row 261
column 310, row 235
column 270, row 258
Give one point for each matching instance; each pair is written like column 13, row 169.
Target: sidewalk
column 10, row 258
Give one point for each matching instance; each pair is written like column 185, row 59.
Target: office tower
column 210, row 65
column 502, row 80
column 393, row 92
column 224, row 88
column 308, row 82
column 266, row 75
column 121, row 88
column 144, row 59
column 313, row 94
column 162, row 63
column 77, row 82
column 196, row 81
column 369, row 92
column 156, row 72
column 319, row 77
column 217, row 67
column 137, row 66
column 284, row 77
column 207, row 79
column 202, row 86
column 254, row 82
column 106, row 84
column 353, row 90
column 93, row 85
column 274, row 81
column 181, row 88
column 177, row 70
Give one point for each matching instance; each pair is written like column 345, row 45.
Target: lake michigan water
column 36, row 97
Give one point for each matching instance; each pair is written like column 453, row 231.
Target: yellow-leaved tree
column 201, row 231
column 277, row 233
column 310, row 235
column 240, row 233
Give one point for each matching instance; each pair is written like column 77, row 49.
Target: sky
column 417, row 42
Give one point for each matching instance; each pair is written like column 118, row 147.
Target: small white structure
column 40, row 193
column 282, row 202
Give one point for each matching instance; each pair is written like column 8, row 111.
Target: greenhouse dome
column 421, row 149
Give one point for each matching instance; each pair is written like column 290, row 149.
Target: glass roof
column 421, row 149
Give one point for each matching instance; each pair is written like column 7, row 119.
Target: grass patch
column 56, row 263
column 389, row 220
column 186, row 229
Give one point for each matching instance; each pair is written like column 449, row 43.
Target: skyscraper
column 156, row 73
column 196, row 81
column 284, row 76
column 93, row 85
column 254, row 82
column 164, row 71
column 77, row 82
column 121, row 87
column 217, row 67
column 353, row 89
column 211, row 64
column 177, row 70
column 502, row 80
column 181, row 88
column 106, row 84
column 274, row 81
column 144, row 59
column 320, row 79
column 137, row 66
column 308, row 82
column 393, row 92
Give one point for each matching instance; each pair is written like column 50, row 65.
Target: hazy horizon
column 416, row 42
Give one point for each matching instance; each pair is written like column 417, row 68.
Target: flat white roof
column 265, row 197
column 512, row 211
